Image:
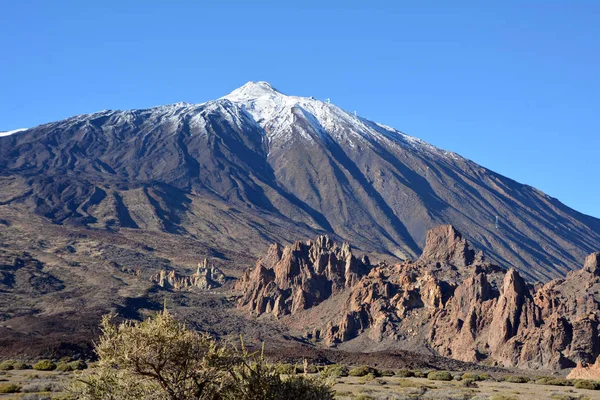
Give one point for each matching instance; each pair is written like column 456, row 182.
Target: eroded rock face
column 450, row 299
column 206, row 277
column 586, row 371
column 299, row 276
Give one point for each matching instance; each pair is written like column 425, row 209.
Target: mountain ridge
column 294, row 164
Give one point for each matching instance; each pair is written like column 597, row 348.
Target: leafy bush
column 420, row 374
column 9, row 388
column 555, row 381
column 387, row 372
column 367, row 378
column 63, row 367
column 7, row 365
column 159, row 358
column 517, row 379
column 78, row 365
column 439, row 376
column 44, row 365
column 405, row 373
column 364, row 370
column 586, row 384
column 469, row 382
column 476, row 377
column 20, row 365
column 335, row 371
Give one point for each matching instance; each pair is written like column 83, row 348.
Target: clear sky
column 512, row 85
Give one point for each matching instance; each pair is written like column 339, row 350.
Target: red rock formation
column 582, row 371
column 449, row 299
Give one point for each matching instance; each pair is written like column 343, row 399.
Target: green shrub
column 367, row 378
column 586, row 384
column 476, row 377
column 78, row 365
column 160, row 358
column 420, row 374
column 517, row 379
column 44, row 365
column 555, row 381
column 6, row 365
column 335, row 371
column 364, row 370
column 63, row 367
column 405, row 373
column 20, row 365
column 469, row 382
column 387, row 372
column 9, row 388
column 439, row 376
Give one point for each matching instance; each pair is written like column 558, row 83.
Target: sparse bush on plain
column 20, row 365
column 469, row 383
column 63, row 367
column 335, row 371
column 555, row 381
column 37, row 388
column 367, row 378
column 78, row 365
column 387, row 372
column 405, row 373
column 476, row 377
column 439, row 376
column 586, row 384
column 364, row 370
column 420, row 374
column 9, row 388
column 160, row 358
column 7, row 365
column 517, row 379
column 44, row 365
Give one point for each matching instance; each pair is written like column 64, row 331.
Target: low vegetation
column 439, row 376
column 364, row 370
column 160, row 358
column 9, row 388
column 44, row 365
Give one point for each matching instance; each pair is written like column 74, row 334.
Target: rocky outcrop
column 586, row 371
column 299, row 276
column 206, row 277
column 445, row 245
column 450, row 301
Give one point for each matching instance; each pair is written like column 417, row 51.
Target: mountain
column 258, row 166
column 450, row 302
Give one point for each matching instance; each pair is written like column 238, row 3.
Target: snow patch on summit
column 8, row 133
column 273, row 112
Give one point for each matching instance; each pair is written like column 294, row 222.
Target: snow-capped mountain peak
column 253, row 90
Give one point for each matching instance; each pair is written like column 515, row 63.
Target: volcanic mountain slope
column 257, row 166
column 449, row 302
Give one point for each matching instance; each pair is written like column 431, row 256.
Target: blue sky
column 512, row 85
